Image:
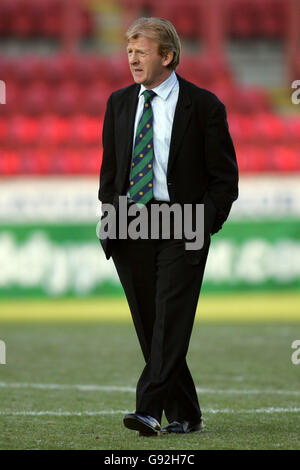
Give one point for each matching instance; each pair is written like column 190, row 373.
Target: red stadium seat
column 67, row 98
column 9, row 162
column 52, row 23
column 254, row 158
column 4, row 125
column 36, row 99
column 269, row 126
column 7, row 10
column 66, row 161
column 35, row 161
column 242, row 126
column 43, row 159
column 240, row 18
column 273, row 15
column 23, row 130
column 286, row 159
column 85, row 70
column 257, row 18
column 21, row 25
column 92, row 161
column 57, row 69
column 26, row 70
column 85, row 130
column 54, row 130
column 292, row 127
column 296, row 70
column 86, row 24
column 116, row 71
column 94, row 101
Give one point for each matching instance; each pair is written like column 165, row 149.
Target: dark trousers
column 162, row 291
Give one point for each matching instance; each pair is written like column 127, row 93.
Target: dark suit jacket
column 202, row 165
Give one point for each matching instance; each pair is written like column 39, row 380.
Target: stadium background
column 59, row 61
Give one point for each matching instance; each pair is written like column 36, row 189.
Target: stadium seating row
column 264, row 127
column 58, row 68
column 70, row 98
column 66, row 99
column 69, row 84
column 51, row 129
column 39, row 18
column 43, row 161
column 87, row 159
column 273, row 158
column 245, row 18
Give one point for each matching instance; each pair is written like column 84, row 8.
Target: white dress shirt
column 163, row 107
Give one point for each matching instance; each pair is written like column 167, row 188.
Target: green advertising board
column 58, row 254
column 67, row 259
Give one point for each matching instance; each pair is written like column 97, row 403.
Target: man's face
column 147, row 66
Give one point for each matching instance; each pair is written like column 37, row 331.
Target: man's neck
column 159, row 82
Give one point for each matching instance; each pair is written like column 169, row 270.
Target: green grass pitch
column 69, row 378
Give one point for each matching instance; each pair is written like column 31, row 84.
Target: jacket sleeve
column 108, row 166
column 221, row 165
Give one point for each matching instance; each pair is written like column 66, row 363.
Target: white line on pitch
column 111, row 412
column 116, row 388
column 61, row 413
column 79, row 387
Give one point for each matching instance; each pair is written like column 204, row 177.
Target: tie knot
column 148, row 95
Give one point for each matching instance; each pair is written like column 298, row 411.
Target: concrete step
column 258, row 62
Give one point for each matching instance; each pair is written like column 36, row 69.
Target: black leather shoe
column 146, row 425
column 182, row 427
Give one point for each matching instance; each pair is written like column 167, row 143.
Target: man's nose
column 133, row 60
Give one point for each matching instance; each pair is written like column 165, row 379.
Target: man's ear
column 167, row 59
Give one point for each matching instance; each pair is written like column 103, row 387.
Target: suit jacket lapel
column 182, row 116
column 126, row 132
column 131, row 104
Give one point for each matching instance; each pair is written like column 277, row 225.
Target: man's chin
column 139, row 79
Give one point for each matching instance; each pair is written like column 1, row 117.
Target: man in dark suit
column 165, row 141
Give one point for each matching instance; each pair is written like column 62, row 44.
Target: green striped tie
column 141, row 175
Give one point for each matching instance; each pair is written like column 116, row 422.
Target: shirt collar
column 164, row 89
